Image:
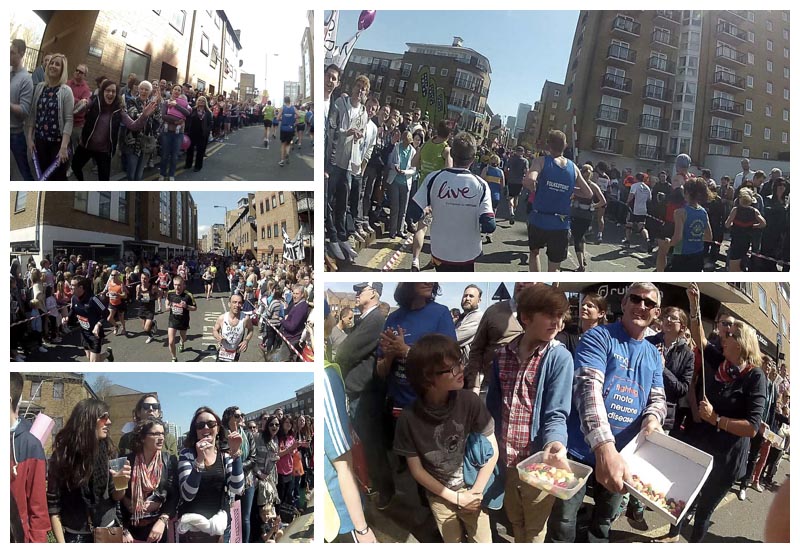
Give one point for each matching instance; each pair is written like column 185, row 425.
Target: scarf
column 144, row 479
column 728, row 372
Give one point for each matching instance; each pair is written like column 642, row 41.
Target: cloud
column 200, row 392
column 200, row 377
column 203, row 229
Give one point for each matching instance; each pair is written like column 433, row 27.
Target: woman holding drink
column 207, row 478
column 151, row 498
column 82, row 488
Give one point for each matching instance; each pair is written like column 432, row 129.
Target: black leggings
column 286, row 489
column 579, row 228
column 82, row 157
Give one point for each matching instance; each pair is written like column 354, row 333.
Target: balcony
column 664, row 38
column 739, row 13
column 660, row 65
column 724, row 134
column 615, row 83
column 724, row 81
column 657, row 93
column 726, row 29
column 621, row 53
column 725, row 107
column 728, row 54
column 611, row 114
column 607, row 145
column 653, row 123
column 471, row 86
column 668, row 15
column 305, row 204
column 626, row 26
column 653, row 153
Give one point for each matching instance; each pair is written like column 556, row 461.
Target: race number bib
column 226, row 354
column 84, row 322
column 112, row 295
column 145, row 298
column 177, row 310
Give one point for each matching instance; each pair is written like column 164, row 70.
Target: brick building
column 242, row 227
column 307, row 57
column 648, row 85
column 199, row 47
column 550, row 113
column 104, row 226
column 293, row 211
column 301, row 404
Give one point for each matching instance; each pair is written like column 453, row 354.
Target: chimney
column 458, row 41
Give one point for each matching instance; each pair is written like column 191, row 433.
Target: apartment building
column 276, row 211
column 551, row 114
column 648, row 85
column 307, row 57
column 241, row 234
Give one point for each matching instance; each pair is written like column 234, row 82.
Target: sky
column 524, row 48
column 182, row 393
column 207, row 214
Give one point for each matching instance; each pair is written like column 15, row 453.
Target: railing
column 728, row 53
column 653, row 122
column 728, row 106
column 621, row 53
column 729, row 134
column 656, row 92
column 645, row 151
column 669, row 15
column 726, row 28
column 611, row 113
column 663, row 37
column 607, row 145
column 626, row 25
column 661, row 64
column 617, row 82
column 723, row 77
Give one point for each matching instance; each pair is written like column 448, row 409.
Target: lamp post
column 225, row 224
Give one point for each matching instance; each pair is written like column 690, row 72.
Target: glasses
column 670, row 319
column 151, row 407
column 455, row 369
column 155, row 434
column 238, row 415
column 199, row 425
column 252, row 427
column 105, row 416
column 274, row 425
column 726, row 324
column 636, row 299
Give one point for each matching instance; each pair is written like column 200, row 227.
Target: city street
column 301, row 529
column 200, row 343
column 734, row 521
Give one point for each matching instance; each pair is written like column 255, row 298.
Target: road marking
column 233, row 177
column 379, row 259
column 210, row 152
column 259, row 148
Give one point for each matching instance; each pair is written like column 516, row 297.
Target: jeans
column 19, row 149
column 135, row 165
column 397, row 211
column 564, row 516
column 372, row 175
column 711, row 494
column 247, row 505
column 356, row 198
column 338, row 191
column 170, row 146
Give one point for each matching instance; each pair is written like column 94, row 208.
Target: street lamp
column 225, row 224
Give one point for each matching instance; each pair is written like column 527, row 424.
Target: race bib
column 84, row 322
column 177, row 310
column 112, row 295
column 226, row 354
column 145, row 298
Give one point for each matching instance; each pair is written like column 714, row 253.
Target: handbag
column 148, row 143
column 111, row 534
column 286, row 512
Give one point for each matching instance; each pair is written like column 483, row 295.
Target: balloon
column 365, row 19
column 186, row 142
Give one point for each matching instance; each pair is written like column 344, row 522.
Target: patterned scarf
column 144, row 480
column 728, row 372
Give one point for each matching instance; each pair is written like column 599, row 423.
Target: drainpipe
column 187, row 76
column 37, row 239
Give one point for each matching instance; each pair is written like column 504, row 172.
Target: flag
column 293, row 249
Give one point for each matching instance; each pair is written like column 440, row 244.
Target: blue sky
column 524, row 48
column 207, row 215
column 182, row 393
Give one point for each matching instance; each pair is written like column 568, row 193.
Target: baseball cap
column 377, row 286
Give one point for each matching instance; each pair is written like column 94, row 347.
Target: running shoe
column 415, row 266
column 174, row 359
column 149, row 339
column 42, row 349
column 110, row 355
column 181, row 346
column 281, row 163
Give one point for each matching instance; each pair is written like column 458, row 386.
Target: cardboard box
column 672, row 467
column 580, row 471
column 774, row 439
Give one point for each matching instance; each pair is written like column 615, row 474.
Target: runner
column 147, row 294
column 269, row 114
column 676, row 201
column 179, row 303
column 164, row 280
column 89, row 313
column 232, row 331
column 208, row 279
column 692, row 229
column 553, row 178
column 603, row 182
column 301, row 126
column 183, row 270
column 117, row 295
column 462, row 203
column 516, row 170
column 288, row 118
column 638, row 199
column 495, row 178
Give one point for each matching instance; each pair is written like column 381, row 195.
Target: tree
column 102, row 386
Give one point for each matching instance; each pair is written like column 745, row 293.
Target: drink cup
column 116, row 465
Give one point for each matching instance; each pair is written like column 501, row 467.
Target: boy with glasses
column 432, row 435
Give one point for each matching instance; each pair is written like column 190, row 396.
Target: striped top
column 189, row 476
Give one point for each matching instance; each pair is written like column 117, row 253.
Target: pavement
column 509, row 250
column 242, row 157
column 408, row 520
column 301, row 529
column 200, row 343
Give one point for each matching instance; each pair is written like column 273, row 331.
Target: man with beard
column 339, row 331
column 467, row 324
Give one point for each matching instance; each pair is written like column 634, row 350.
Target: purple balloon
column 365, row 19
column 186, row 142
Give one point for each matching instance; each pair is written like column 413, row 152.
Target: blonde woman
column 198, row 127
column 49, row 126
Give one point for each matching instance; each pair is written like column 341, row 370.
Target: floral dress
column 47, row 126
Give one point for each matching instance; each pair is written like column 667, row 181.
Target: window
column 283, row 227
column 769, row 45
column 768, row 110
column 785, row 93
column 748, row 104
column 19, row 201
column 786, row 34
column 58, row 389
column 762, row 299
column 416, row 87
column 263, row 232
column 751, row 36
column 685, row 92
column 281, row 199
column 552, row 117
column 275, row 230
column 406, row 69
column 747, row 129
column 274, row 204
column 751, row 16
column 36, row 389
column 751, row 58
column 750, row 81
column 81, row 201
column 177, row 20
column 569, row 104
column 746, row 152
column 179, row 215
column 204, row 44
column 786, row 53
column 769, row 25
column 769, row 87
column 786, row 115
column 556, row 93
column 785, row 72
column 201, row 85
column 767, row 133
column 769, row 66
column 400, row 102
column 784, row 327
column 773, row 307
column 261, row 207
column 165, row 207
column 58, row 424
column 122, row 213
column 105, row 205
column 444, row 72
column 214, row 57
column 554, row 105
column 784, row 138
column 719, row 150
column 764, row 155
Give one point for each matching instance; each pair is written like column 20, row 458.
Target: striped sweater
column 189, row 476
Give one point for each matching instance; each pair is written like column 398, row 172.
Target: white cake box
column 580, row 471
column 672, row 467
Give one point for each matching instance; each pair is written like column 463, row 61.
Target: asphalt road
column 301, row 529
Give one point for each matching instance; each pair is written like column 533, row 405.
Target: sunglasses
column 455, row 369
column 156, row 434
column 252, row 427
column 238, row 415
column 104, row 416
column 726, row 324
column 636, row 299
column 199, row 425
column 151, row 407
column 274, row 425
column 670, row 319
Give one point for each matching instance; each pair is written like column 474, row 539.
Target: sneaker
column 511, row 221
column 742, row 495
column 174, row 359
column 625, row 242
column 181, row 346
column 149, row 339
column 161, row 177
column 402, row 234
column 281, row 163
column 488, row 238
column 599, row 238
column 368, row 229
column 383, row 501
column 110, row 357
column 42, row 349
column 757, row 487
column 636, row 515
column 415, row 265
column 19, row 358
column 171, row 178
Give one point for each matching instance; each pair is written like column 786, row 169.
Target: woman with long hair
column 692, row 229
column 173, row 114
column 233, row 421
column 287, row 444
column 600, row 176
column 81, row 495
column 208, row 478
column 302, row 432
column 139, row 145
column 581, row 211
column 101, row 130
column 48, row 128
column 593, row 312
column 265, row 469
column 198, row 127
column 715, row 207
column 743, row 221
column 151, row 499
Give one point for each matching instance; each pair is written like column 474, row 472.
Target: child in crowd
column 432, row 435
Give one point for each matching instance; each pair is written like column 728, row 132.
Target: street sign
column 501, row 293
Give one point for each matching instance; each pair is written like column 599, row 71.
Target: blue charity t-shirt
column 337, row 440
column 632, row 368
column 551, row 202
column 433, row 318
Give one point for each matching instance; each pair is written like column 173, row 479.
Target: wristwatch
column 717, row 425
column 363, row 532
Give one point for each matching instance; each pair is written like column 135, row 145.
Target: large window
column 762, row 299
column 178, row 20
column 179, row 215
column 165, row 207
column 774, row 312
column 281, row 199
column 58, row 389
column 19, row 201
column 105, row 205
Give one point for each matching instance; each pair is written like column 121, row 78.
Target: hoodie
column 28, row 483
